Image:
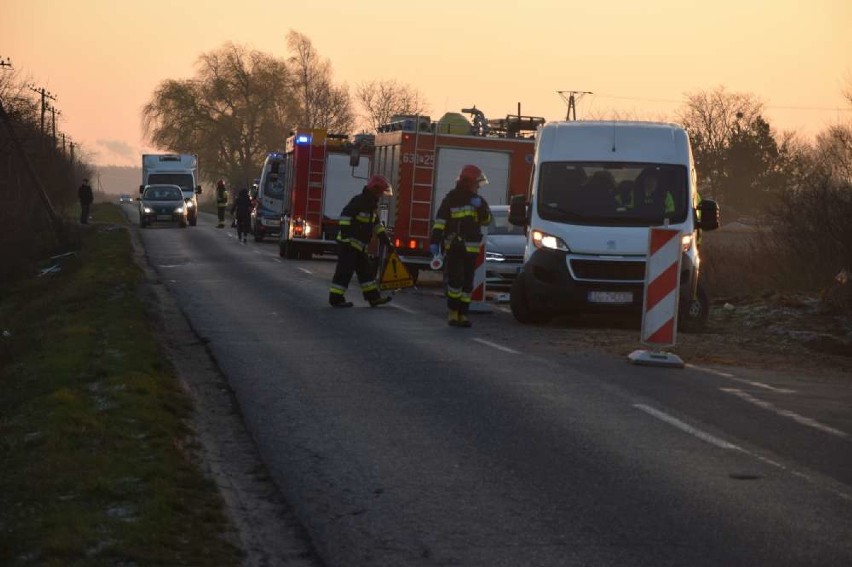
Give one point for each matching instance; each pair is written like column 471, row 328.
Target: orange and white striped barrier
column 659, row 307
column 477, row 296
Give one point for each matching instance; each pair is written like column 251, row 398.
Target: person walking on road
column 84, row 193
column 458, row 228
column 359, row 222
column 221, row 202
column 241, row 209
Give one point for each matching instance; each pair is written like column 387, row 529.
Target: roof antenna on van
column 613, row 137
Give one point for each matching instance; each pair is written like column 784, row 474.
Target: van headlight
column 543, row 240
column 189, row 205
column 179, row 210
column 147, row 210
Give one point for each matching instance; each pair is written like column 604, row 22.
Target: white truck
column 174, row 169
column 597, row 187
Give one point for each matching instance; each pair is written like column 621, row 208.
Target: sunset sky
column 103, row 59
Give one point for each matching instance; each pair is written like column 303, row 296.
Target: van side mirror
column 708, row 215
column 354, row 156
column 518, row 214
column 141, row 188
column 198, row 190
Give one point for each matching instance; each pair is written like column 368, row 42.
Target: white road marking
column 685, row 427
column 785, row 413
column 495, row 345
column 307, row 271
column 734, row 378
column 401, row 308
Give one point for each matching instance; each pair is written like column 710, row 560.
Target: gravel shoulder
column 263, row 524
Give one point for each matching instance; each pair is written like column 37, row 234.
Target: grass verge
column 98, row 460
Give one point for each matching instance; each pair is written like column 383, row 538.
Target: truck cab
column 596, row 189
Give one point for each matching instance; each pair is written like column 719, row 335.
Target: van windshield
column 632, row 194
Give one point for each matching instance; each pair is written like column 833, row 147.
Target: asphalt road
column 401, row 441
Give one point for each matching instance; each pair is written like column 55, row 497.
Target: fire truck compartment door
column 494, row 164
column 340, row 185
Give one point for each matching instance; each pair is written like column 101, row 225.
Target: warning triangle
column 395, row 275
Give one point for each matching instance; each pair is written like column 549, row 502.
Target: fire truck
column 422, row 160
column 317, row 177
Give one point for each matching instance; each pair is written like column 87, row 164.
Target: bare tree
column 322, row 104
column 238, row 107
column 713, row 119
column 382, row 100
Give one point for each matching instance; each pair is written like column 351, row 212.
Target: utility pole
column 45, row 96
column 54, row 112
column 571, row 98
column 5, row 63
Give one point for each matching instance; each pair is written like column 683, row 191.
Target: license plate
column 610, row 297
column 164, row 217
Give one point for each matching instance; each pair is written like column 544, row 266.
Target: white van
column 596, row 188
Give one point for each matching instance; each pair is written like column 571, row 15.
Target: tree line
column 40, row 171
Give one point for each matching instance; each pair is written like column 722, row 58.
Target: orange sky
column 103, row 59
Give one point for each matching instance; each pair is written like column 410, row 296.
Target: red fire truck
column 422, row 160
column 318, row 180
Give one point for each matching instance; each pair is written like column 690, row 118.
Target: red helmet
column 471, row 177
column 381, row 184
column 220, row 183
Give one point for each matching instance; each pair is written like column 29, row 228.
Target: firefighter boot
column 453, row 318
column 380, row 301
column 463, row 321
column 337, row 300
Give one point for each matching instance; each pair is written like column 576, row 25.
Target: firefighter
column 359, row 222
column 458, row 227
column 221, row 202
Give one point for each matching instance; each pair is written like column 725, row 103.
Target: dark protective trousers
column 460, row 266
column 221, row 212
column 84, row 212
column 351, row 261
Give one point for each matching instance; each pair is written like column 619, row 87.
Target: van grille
column 607, row 270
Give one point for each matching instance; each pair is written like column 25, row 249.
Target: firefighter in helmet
column 221, row 201
column 458, row 228
column 359, row 222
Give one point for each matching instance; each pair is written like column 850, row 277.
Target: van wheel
column 693, row 313
column 521, row 309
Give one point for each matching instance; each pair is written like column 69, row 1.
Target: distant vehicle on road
column 162, row 203
column 124, row 199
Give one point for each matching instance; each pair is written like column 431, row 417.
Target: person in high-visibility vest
column 359, row 222
column 221, row 202
column 458, row 227
column 652, row 194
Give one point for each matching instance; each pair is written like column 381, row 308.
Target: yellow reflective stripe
column 453, row 293
column 472, row 249
column 465, row 298
column 369, row 286
column 357, row 244
column 364, row 217
column 462, row 212
column 440, row 224
column 345, row 221
column 337, row 289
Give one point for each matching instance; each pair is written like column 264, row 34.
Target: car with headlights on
column 125, row 199
column 162, row 204
column 504, row 249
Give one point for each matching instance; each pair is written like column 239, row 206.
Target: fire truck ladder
column 422, row 183
column 316, row 177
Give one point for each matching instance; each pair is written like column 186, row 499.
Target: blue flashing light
column 303, row 139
